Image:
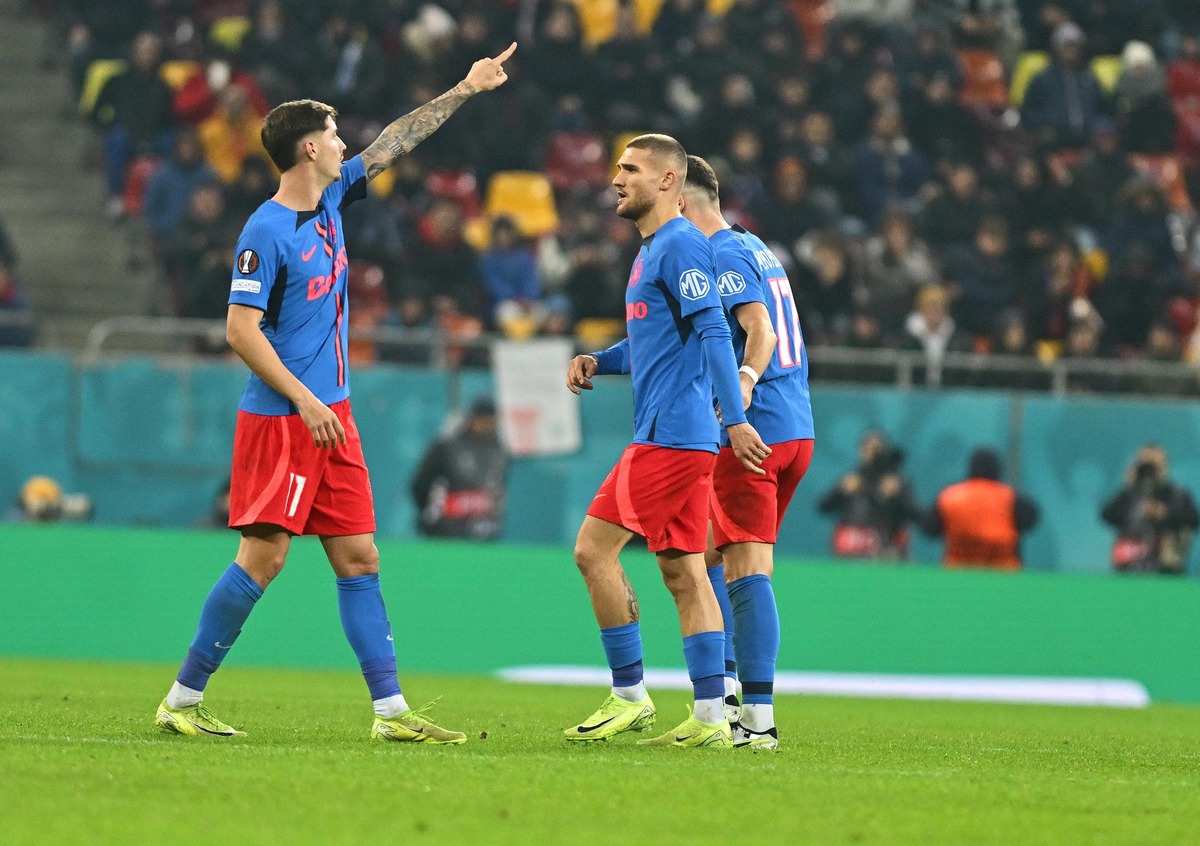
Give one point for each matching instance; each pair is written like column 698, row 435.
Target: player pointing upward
column 678, row 351
column 297, row 459
column 747, row 509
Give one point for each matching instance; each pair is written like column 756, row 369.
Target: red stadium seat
column 457, row 185
column 136, row 179
column 983, row 79
column 577, row 161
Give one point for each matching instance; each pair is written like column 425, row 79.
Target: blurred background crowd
column 992, row 176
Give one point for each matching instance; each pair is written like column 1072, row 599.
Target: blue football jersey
column 672, row 279
column 292, row 266
column 747, row 271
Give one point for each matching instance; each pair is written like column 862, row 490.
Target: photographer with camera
column 873, row 504
column 1155, row 519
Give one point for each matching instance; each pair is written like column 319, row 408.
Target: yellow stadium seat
column 98, row 73
column 229, row 32
column 720, row 7
column 598, row 19
column 177, row 72
column 595, row 333
column 647, row 13
column 477, row 232
column 1106, row 69
column 1029, row 64
column 619, row 143
column 525, row 196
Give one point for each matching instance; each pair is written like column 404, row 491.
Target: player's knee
column 362, row 562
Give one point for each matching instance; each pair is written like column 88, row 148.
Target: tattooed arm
column 402, row 135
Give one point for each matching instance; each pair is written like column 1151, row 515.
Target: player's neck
column 710, row 222
column 300, row 189
column 657, row 217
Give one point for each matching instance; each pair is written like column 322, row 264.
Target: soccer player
column 678, row 351
column 298, row 464
column 747, row 509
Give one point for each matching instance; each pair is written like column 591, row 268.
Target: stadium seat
column 1029, row 64
column 598, row 20
column 457, row 185
column 477, row 232
column 595, row 333
column 720, row 7
column 647, row 13
column 576, row 161
column 525, row 196
column 136, row 180
column 983, row 79
column 98, row 73
column 1106, row 69
column 176, row 72
column 813, row 17
column 229, row 32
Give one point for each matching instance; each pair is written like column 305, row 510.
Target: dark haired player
column 298, row 465
column 678, row 352
column 748, row 509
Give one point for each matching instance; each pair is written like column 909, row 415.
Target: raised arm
column 403, row 134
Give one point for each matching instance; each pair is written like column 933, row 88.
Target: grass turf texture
column 80, row 763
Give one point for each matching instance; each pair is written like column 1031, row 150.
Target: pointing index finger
column 504, row 56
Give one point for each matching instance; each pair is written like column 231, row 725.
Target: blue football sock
column 225, row 611
column 623, row 649
column 704, row 653
column 756, row 637
column 716, row 575
column 365, row 622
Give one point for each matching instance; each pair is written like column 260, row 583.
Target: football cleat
column 194, row 720
column 692, row 733
column 614, row 716
column 413, row 726
column 744, row 738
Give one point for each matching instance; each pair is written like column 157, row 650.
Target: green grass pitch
column 80, row 763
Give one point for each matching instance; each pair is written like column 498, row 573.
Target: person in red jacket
column 981, row 518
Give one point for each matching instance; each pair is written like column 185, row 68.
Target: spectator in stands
column 942, row 128
column 873, row 504
column 1063, row 101
column 993, row 25
column 560, row 65
column 232, row 135
column 348, row 70
column 930, row 57
column 789, row 211
column 171, row 184
column 1140, row 224
column 954, row 211
column 824, row 287
column 595, row 283
column 134, row 110
column 897, row 264
column 932, row 331
column 1059, row 293
column 510, row 281
column 890, row 172
column 1097, row 179
column 1155, row 518
column 1142, row 106
column 276, row 52
column 442, row 266
column 200, row 95
column 632, row 76
column 1037, row 206
column 1133, row 297
column 981, row 518
column 198, row 255
column 983, row 277
column 16, row 314
column 1183, row 72
column 829, row 165
column 459, row 487
column 674, row 29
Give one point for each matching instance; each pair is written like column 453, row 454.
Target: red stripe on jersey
column 341, row 380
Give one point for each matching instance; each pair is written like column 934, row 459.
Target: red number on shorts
column 787, row 322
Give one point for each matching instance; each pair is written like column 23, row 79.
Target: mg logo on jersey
column 693, row 284
column 730, row 283
column 635, row 311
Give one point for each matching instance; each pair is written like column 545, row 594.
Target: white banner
column 538, row 415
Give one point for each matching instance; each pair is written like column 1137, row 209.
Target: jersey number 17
column 787, row 322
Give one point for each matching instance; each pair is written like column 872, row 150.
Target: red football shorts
column 660, row 493
column 281, row 477
column 748, row 508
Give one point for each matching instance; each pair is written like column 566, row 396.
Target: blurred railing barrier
column 902, row 368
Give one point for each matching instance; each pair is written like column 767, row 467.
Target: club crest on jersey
column 635, row 275
column 730, row 283
column 247, row 261
column 693, row 284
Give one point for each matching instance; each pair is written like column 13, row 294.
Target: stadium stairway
column 75, row 266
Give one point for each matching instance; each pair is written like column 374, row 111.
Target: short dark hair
column 287, row 123
column 702, row 177
column 662, row 145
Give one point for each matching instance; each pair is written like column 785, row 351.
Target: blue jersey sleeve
column 256, row 266
column 738, row 279
column 352, row 186
column 688, row 267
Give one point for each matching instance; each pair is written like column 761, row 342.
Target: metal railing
column 902, row 368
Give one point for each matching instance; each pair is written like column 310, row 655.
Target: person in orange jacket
column 981, row 518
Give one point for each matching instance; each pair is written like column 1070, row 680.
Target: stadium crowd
column 937, row 175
